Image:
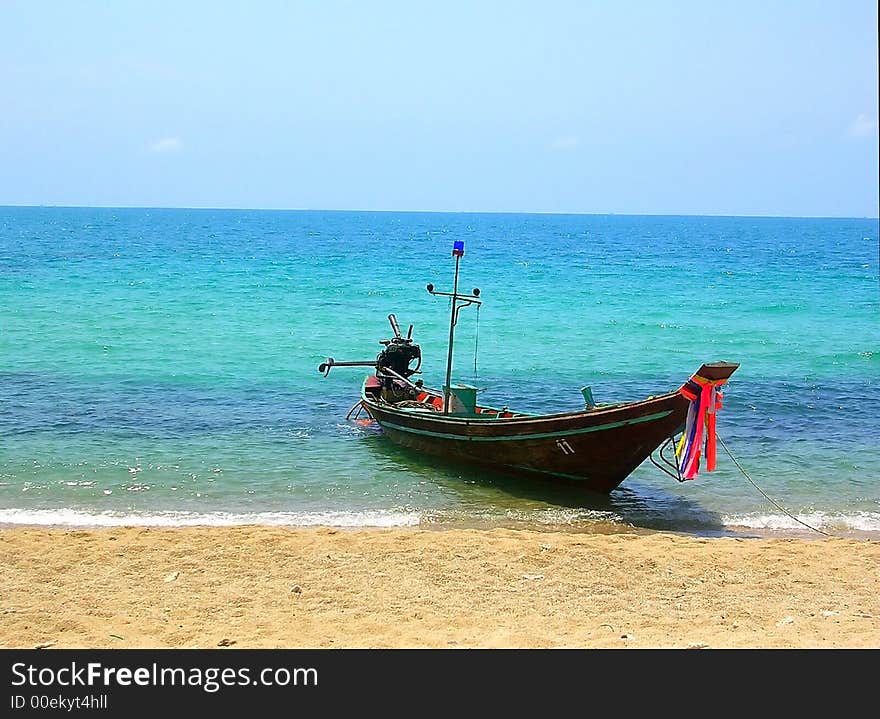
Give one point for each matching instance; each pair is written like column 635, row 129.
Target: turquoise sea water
column 160, row 366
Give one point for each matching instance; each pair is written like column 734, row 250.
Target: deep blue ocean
column 160, row 366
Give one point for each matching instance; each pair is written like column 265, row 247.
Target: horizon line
column 438, row 212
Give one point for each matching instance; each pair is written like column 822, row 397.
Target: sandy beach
column 317, row 587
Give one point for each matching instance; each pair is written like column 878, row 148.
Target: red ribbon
column 708, row 407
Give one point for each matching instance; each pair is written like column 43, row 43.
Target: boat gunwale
column 538, row 419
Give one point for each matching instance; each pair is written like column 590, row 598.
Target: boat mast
column 458, row 301
column 457, row 253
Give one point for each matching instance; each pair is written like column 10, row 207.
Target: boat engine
column 397, row 356
column 399, row 353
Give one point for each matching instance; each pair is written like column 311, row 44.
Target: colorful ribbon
column 699, row 429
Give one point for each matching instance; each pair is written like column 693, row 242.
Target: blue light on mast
column 458, row 248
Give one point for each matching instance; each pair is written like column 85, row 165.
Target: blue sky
column 743, row 108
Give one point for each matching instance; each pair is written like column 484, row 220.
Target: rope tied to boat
column 766, row 496
column 700, row 428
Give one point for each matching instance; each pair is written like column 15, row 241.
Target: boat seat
column 372, row 386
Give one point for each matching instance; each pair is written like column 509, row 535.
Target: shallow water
column 160, row 366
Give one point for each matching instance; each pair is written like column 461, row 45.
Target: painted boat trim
column 516, row 437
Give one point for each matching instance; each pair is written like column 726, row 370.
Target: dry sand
column 278, row 587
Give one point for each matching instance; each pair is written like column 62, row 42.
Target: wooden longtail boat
column 598, row 447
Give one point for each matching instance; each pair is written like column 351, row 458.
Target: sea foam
column 79, row 518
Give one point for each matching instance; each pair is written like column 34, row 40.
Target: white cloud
column 862, row 126
column 565, row 143
column 166, row 145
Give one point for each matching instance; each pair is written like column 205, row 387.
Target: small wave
column 77, row 518
column 829, row 521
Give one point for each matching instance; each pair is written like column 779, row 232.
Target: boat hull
column 598, row 448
